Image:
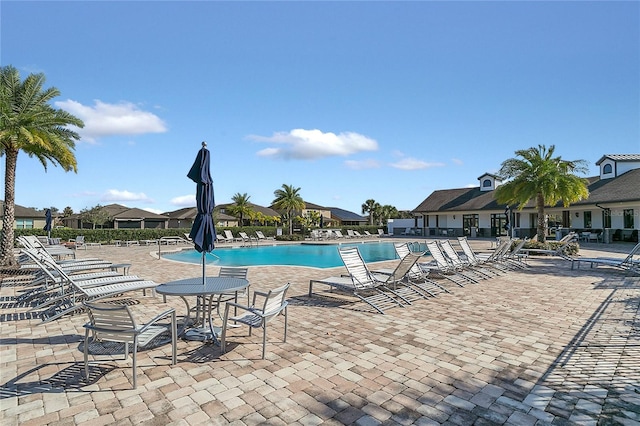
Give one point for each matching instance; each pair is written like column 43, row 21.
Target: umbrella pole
column 204, row 268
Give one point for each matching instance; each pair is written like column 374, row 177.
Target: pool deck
column 547, row 345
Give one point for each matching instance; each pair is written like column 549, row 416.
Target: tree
column 288, row 200
column 28, row 123
column 540, row 176
column 240, row 207
column 370, row 206
column 96, row 216
column 68, row 211
column 386, row 212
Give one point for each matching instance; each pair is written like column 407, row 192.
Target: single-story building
column 611, row 210
column 24, row 217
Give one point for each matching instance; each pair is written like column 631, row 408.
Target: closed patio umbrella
column 47, row 224
column 203, row 231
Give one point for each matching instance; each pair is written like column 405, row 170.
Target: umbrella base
column 203, row 334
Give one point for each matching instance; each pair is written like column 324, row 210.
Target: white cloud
column 361, row 165
column 105, row 119
column 115, row 195
column 410, row 163
column 304, row 144
column 457, row 161
column 184, row 201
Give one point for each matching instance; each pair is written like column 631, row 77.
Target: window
column 587, row 220
column 486, row 183
column 607, row 169
column 24, row 223
column 628, row 218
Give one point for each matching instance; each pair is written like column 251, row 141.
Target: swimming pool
column 309, row 255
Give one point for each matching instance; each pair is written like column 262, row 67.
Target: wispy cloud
column 457, row 161
column 410, row 163
column 301, row 144
column 361, row 165
column 103, row 119
column 184, row 201
column 115, row 195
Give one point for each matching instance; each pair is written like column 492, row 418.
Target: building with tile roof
column 613, row 205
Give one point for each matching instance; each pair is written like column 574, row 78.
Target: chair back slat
column 230, row 272
column 275, row 300
column 111, row 322
column 356, row 267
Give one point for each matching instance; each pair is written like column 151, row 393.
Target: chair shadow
column 68, row 379
column 324, row 300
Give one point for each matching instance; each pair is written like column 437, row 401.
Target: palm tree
column 387, row 212
column 370, row 206
column 288, row 200
column 241, row 206
column 540, row 176
column 28, row 123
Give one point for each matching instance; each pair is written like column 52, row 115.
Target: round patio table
column 211, row 287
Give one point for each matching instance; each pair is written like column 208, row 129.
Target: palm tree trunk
column 7, row 257
column 542, row 223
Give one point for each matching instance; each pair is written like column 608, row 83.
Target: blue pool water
column 310, row 255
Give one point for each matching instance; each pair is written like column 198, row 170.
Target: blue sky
column 346, row 100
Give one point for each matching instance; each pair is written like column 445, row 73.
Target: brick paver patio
column 543, row 346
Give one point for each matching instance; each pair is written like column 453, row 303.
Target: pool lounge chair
column 445, row 268
column 367, row 286
column 58, row 251
column 230, row 237
column 474, row 259
column 418, row 276
column 631, row 263
column 246, row 239
column 261, row 237
column 73, row 292
column 454, row 259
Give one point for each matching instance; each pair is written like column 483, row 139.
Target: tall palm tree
column 387, row 212
column 370, row 206
column 540, row 176
column 288, row 200
column 241, row 206
column 28, row 123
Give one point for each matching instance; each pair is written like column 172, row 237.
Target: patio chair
column 257, row 315
column 367, row 286
column 48, row 281
column 71, row 293
column 475, row 272
column 78, row 242
column 630, row 263
column 261, row 237
column 115, row 323
column 58, row 251
column 474, row 259
column 445, row 268
column 246, row 239
column 419, row 273
column 338, row 234
column 230, row 237
column 230, row 272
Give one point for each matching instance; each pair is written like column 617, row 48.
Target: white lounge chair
column 261, row 237
column 375, row 289
column 230, row 237
column 630, row 263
